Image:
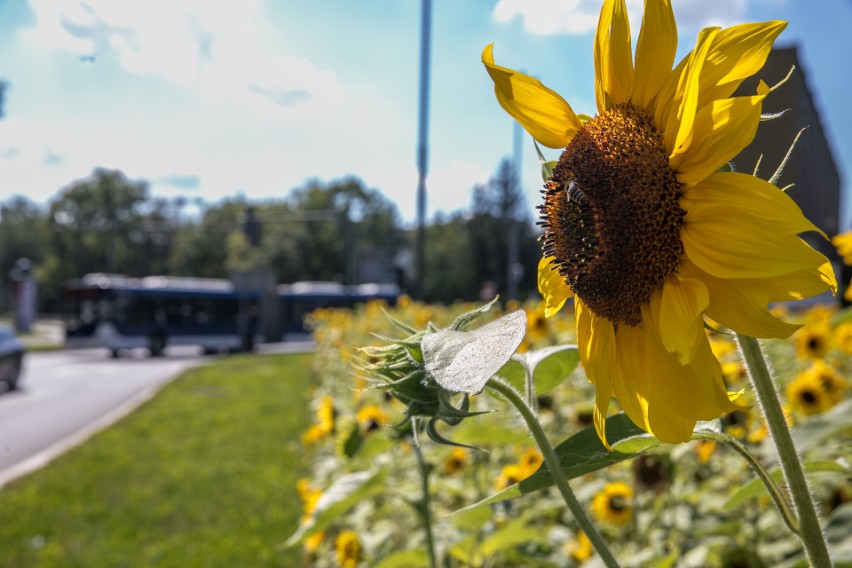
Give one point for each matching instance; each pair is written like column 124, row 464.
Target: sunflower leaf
column 549, row 366
column 584, row 453
column 756, row 488
column 347, row 491
column 463, row 361
column 819, row 428
column 578, row 455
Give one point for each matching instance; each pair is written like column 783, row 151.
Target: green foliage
column 203, row 475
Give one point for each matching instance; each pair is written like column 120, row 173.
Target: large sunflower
column 643, row 230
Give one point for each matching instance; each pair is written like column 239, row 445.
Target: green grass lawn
column 202, row 475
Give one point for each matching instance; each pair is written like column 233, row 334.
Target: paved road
column 64, row 396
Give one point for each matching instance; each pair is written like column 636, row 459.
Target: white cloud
column 576, row 17
column 212, row 47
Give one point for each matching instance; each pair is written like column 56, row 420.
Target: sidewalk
column 46, row 334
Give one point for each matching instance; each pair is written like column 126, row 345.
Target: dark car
column 11, row 357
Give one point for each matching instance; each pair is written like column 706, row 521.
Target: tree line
column 320, row 231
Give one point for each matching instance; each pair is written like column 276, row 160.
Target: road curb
column 47, row 455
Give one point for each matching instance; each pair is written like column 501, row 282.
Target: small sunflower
column 456, row 461
column 313, row 434
column 734, row 372
column 326, row 414
column 812, row 342
column 843, row 338
column 580, row 549
column 806, row 394
column 509, row 475
column 371, row 418
column 704, row 450
column 529, row 462
column 614, row 504
column 348, row 548
column 642, row 228
column 537, row 327
column 833, row 383
column 843, row 244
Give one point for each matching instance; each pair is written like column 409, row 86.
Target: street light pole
column 422, row 147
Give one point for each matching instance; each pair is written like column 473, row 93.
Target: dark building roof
column 811, row 167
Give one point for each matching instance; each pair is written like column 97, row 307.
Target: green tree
column 96, row 224
column 21, row 236
column 495, row 208
column 449, row 259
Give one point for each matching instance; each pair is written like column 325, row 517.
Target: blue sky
column 217, row 99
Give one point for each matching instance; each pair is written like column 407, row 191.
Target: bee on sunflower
column 642, row 228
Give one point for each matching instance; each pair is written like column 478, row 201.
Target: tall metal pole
column 422, row 146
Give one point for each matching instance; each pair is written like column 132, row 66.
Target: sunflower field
column 477, row 493
column 658, row 406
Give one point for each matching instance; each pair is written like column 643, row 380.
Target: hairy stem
column 552, row 462
column 810, row 533
column 423, row 505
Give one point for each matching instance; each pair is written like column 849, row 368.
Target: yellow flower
column 704, row 449
column 529, row 462
column 734, row 371
column 309, row 494
column 843, row 244
column 371, row 418
column 348, row 548
column 456, row 461
column 806, row 394
column 313, row 435
column 812, row 342
column 509, row 475
column 820, row 314
column 536, row 325
column 643, row 230
column 614, row 504
column 721, row 346
column 843, row 338
column 325, row 414
column 833, row 384
column 313, row 542
column 580, row 549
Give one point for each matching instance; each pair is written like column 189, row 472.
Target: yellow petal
column 749, row 194
column 676, row 386
column 552, row 287
column 613, row 56
column 631, row 381
column 729, row 243
column 741, row 305
column 655, row 51
column 677, row 313
column 737, row 53
column 803, row 284
column 707, row 368
column 596, row 345
column 721, row 130
column 542, row 112
column 681, row 118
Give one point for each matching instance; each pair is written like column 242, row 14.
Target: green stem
column 552, row 461
column 529, row 391
column 777, row 495
column 811, row 534
column 423, row 506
